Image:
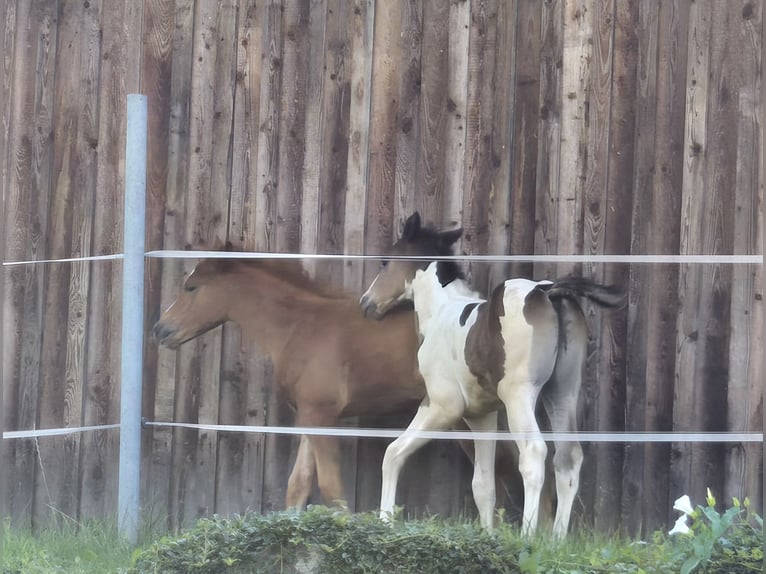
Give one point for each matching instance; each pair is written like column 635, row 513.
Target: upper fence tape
column 170, row 254
column 722, row 259
column 621, row 437
column 67, row 260
column 55, row 432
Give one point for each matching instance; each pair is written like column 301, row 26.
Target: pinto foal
column 528, row 340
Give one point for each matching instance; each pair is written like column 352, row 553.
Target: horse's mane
column 292, row 272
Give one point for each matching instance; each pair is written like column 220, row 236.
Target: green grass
column 336, row 542
column 89, row 548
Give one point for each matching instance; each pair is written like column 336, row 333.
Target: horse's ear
column 448, row 238
column 411, row 226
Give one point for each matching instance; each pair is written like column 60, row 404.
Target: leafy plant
column 720, row 542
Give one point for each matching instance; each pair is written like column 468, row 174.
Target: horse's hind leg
column 519, row 397
column 327, row 458
column 559, row 397
column 483, row 483
column 302, row 476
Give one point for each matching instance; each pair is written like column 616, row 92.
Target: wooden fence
column 555, row 127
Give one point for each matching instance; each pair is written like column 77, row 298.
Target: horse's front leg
column 302, row 476
column 483, row 483
column 429, row 417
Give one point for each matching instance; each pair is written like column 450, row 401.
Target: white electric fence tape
column 56, row 432
column 624, row 437
column 169, row 254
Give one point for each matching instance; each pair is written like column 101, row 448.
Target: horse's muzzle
column 369, row 307
column 163, row 334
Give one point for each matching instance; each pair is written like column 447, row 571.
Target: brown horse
column 331, row 362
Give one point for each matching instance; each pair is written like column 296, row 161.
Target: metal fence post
column 132, row 317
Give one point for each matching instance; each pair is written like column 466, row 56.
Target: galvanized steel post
column 132, row 318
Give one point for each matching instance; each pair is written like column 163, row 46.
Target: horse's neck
column 272, row 308
column 429, row 297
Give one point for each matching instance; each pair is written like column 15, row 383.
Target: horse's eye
column 190, row 288
column 383, row 264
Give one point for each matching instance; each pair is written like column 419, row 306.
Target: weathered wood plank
column 500, row 89
column 334, row 138
column 662, row 233
column 276, row 464
column 154, row 64
column 596, row 196
column 379, row 224
column 457, row 94
column 478, row 161
column 165, row 494
column 694, row 281
column 614, row 331
column 316, row 72
column 745, row 393
column 240, row 455
column 361, row 42
column 409, row 123
column 549, row 134
column 28, row 156
column 60, row 391
column 643, row 179
column 292, row 124
column 435, row 111
column 524, row 145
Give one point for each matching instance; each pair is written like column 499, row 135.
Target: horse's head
column 201, row 305
column 393, row 284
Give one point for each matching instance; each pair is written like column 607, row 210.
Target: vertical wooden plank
column 60, row 391
column 745, row 393
column 295, row 28
column 205, row 220
column 478, row 168
column 701, row 363
column 547, row 180
column 614, row 404
column 647, row 31
column 7, row 34
column 316, row 73
column 29, row 168
column 596, row 194
column 334, row 139
column 267, row 164
column 409, row 123
column 524, row 145
column 165, row 492
column 156, row 23
column 359, row 140
column 379, row 224
column 276, row 463
column 501, row 90
column 663, row 237
column 368, row 452
column 575, row 78
column 434, row 113
column 240, row 455
column 457, row 94
column 712, row 362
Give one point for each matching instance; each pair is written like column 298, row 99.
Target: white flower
column 683, row 504
column 680, row 526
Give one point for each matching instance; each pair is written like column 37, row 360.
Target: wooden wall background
column 556, row 127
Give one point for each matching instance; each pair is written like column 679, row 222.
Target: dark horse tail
column 574, row 290
column 578, row 288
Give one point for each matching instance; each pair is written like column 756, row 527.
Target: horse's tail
column 578, row 288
